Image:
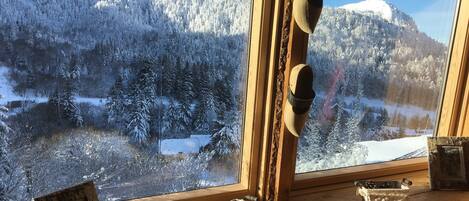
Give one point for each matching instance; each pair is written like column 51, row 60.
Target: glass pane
column 379, row 70
column 144, row 97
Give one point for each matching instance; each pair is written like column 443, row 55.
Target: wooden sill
column 321, row 179
column 420, row 191
column 209, row 194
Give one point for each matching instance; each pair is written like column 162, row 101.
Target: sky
column 433, row 17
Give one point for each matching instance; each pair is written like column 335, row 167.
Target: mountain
column 384, row 10
column 393, row 61
column 372, row 36
column 105, row 36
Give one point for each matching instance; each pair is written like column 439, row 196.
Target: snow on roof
column 376, row 7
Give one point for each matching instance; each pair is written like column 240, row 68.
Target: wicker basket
column 383, row 190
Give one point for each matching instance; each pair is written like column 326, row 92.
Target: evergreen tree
column 382, row 119
column 63, row 97
column 312, row 147
column 143, row 99
column 334, row 139
column 117, row 103
column 12, row 178
column 225, row 143
column 223, row 96
column 173, row 116
column 186, row 99
column 353, row 123
column 204, row 112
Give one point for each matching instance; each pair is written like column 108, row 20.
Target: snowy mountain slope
column 377, row 7
column 392, row 58
column 382, row 9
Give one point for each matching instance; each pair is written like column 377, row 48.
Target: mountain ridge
column 383, row 9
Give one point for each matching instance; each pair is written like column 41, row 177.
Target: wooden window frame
column 255, row 106
column 269, row 150
column 451, row 121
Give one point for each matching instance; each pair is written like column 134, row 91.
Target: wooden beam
column 456, row 75
column 293, row 49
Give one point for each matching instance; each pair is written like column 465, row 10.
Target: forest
column 146, row 97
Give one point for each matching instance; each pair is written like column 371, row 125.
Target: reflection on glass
column 143, row 97
column 379, row 69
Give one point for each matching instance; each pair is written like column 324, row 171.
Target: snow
column 376, row 7
column 6, row 90
column 7, row 93
column 392, row 108
column 411, row 132
column 186, row 145
column 379, row 151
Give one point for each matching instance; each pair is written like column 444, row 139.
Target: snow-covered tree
column 117, row 103
column 12, row 178
column 226, row 142
column 223, row 92
column 204, row 112
column 142, row 99
column 63, row 97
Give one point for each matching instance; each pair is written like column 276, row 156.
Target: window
column 380, row 67
column 142, row 97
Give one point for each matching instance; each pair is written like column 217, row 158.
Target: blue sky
column 434, row 17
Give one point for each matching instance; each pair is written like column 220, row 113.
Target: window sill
column 419, row 191
column 322, row 180
column 210, row 194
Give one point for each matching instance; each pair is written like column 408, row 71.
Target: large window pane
column 379, row 70
column 143, row 97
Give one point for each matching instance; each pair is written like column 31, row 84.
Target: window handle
column 299, row 99
column 306, row 14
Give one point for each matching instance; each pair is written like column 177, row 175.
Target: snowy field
column 392, row 108
column 379, row 151
column 186, row 145
column 8, row 94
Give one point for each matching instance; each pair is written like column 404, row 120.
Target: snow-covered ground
column 392, row 108
column 376, row 7
column 7, row 93
column 379, row 151
column 411, row 132
column 186, row 145
column 6, row 88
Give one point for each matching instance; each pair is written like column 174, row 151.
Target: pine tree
column 382, row 119
column 204, row 112
column 71, row 110
column 173, row 116
column 138, row 126
column 334, row 139
column 12, row 178
column 223, row 97
column 353, row 123
column 143, row 99
column 312, row 147
column 63, row 97
column 117, row 103
column 225, row 143
column 186, row 99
